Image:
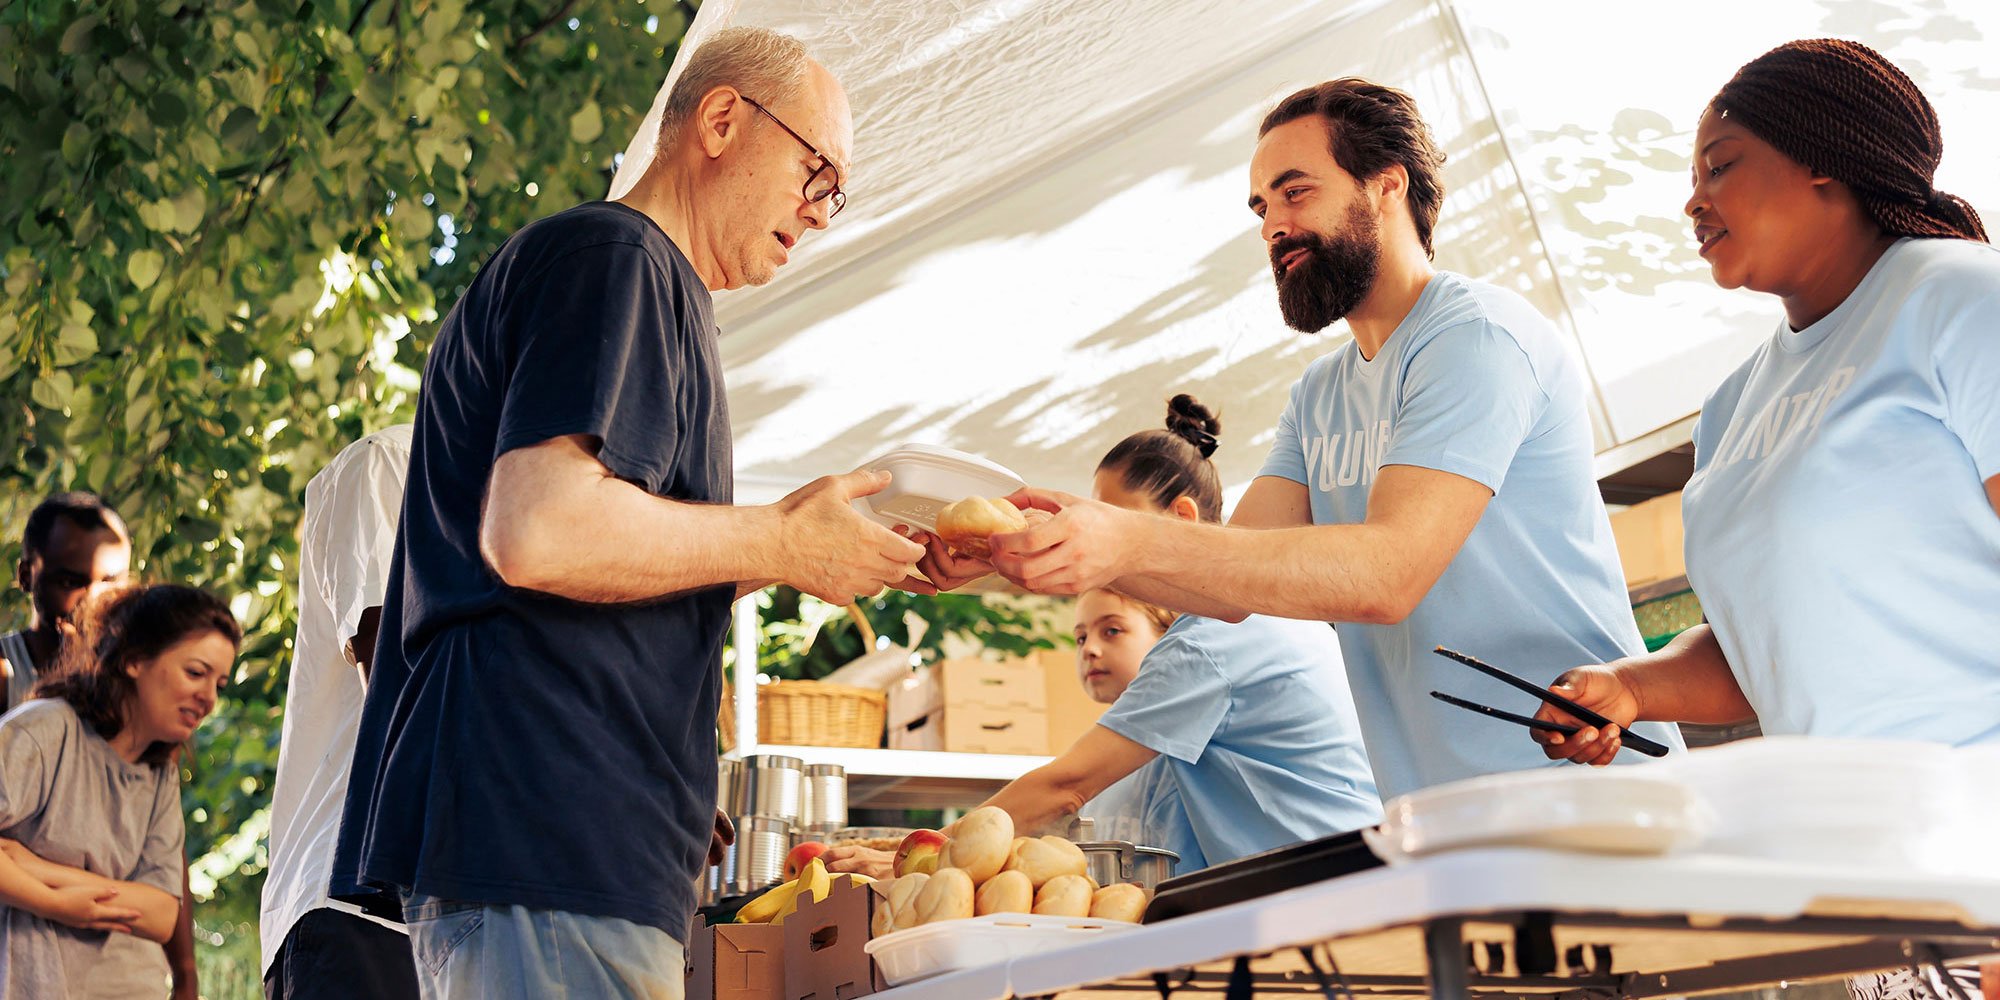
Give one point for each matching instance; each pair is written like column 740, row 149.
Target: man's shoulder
column 1461, row 304
column 594, row 229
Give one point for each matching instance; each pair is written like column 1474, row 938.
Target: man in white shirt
column 314, row 946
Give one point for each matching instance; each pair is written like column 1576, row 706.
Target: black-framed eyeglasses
column 824, row 184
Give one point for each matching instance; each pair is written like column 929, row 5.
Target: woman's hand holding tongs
column 1602, row 690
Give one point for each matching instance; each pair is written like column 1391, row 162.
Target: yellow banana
column 763, row 908
column 814, row 882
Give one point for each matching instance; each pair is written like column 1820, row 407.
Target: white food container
column 926, row 478
column 1638, row 811
column 957, row 945
column 1899, row 806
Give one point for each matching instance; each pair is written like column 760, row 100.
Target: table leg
column 1444, row 947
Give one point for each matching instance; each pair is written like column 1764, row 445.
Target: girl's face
column 178, row 688
column 1112, row 637
column 1762, row 218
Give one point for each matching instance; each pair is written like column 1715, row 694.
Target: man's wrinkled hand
column 834, row 553
column 1081, row 545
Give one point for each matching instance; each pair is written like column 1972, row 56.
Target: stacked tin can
column 774, row 802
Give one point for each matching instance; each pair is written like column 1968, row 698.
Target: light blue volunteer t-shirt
column 1838, row 530
column 1144, row 808
column 1254, row 723
column 1476, row 383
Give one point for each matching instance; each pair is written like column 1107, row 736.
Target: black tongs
column 1629, row 738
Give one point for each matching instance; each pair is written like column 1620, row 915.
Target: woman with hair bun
column 1250, row 725
column 90, row 807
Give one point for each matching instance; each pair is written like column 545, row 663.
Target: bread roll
column 1065, row 896
column 979, row 843
column 1118, row 902
column 901, row 903
column 1044, row 858
column 947, row 896
column 968, row 524
column 1007, row 892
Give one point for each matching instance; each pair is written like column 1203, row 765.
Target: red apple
column 919, row 852
column 802, row 856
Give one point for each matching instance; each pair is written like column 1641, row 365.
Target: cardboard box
column 1071, row 712
column 1017, row 683
column 735, row 962
column 1650, row 540
column 916, row 713
column 1003, row 729
column 824, row 944
column 973, row 706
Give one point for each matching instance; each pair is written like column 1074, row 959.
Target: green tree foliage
column 227, row 233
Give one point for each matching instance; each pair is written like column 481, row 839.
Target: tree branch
column 561, row 13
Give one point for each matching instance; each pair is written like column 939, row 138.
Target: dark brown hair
column 119, row 628
column 1373, row 127
column 1166, row 465
column 1845, row 112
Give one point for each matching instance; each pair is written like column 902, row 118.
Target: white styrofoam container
column 1908, row 806
column 957, row 945
column 1623, row 811
column 926, row 478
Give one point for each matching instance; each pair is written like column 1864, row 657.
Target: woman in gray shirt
column 90, row 819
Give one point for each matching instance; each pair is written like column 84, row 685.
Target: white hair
column 768, row 66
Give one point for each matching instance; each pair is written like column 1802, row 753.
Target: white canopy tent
column 1047, row 234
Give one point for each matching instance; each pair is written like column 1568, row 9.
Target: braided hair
column 1845, row 112
column 1173, row 463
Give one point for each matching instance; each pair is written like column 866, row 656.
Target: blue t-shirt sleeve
column 1470, row 396
column 1288, row 454
column 595, row 350
column 1177, row 702
column 1968, row 367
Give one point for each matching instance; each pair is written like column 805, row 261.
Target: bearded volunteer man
column 534, row 774
column 1431, row 482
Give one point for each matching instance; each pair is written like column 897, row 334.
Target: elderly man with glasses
column 534, row 778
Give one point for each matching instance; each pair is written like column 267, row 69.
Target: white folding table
column 1519, row 922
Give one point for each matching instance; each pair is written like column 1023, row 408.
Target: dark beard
column 1335, row 275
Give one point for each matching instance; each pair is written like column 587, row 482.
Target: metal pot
column 1118, row 861
column 773, row 787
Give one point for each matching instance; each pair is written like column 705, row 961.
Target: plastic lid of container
column 941, row 457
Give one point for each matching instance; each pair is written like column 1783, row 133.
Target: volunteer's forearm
column 1333, row 572
column 1040, row 801
column 1688, row 680
column 1181, row 599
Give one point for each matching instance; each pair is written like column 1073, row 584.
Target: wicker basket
column 814, row 714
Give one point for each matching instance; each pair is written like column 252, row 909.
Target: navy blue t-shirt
column 515, row 747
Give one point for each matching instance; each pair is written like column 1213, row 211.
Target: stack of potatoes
column 983, row 868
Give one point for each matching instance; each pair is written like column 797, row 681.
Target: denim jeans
column 480, row 951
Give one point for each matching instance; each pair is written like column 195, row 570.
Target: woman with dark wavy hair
column 90, row 807
column 1843, row 521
